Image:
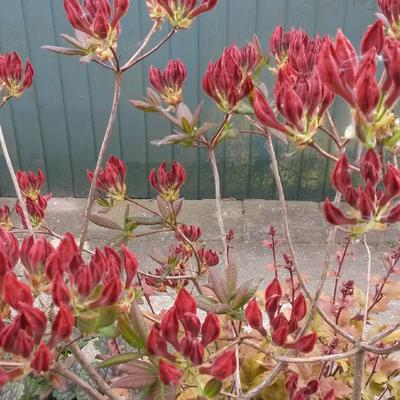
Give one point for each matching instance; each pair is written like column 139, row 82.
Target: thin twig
column 358, row 375
column 217, row 183
column 15, row 182
column 93, row 393
column 102, row 385
column 103, row 150
column 316, row 359
column 330, row 156
column 151, row 51
column 142, row 46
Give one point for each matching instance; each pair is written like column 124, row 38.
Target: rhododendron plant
column 218, row 338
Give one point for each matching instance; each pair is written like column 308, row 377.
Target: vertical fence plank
column 77, row 102
column 49, row 95
column 26, row 120
column 133, row 121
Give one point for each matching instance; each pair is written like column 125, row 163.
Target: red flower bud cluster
column 391, row 13
column 354, row 79
column 371, row 207
column 304, row 393
column 181, row 13
column 31, row 185
column 168, row 183
column 190, row 344
column 169, row 82
column 229, row 80
column 295, row 48
column 13, row 79
column 5, row 220
column 97, row 24
column 280, row 326
column 173, row 264
column 300, row 96
column 110, row 182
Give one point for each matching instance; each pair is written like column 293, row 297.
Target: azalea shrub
column 79, row 320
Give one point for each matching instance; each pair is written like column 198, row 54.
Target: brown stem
column 93, row 393
column 135, row 60
column 330, row 156
column 93, row 374
column 358, row 375
column 146, row 296
column 15, row 181
column 316, row 359
column 217, row 183
column 368, row 287
column 103, row 149
column 341, row 261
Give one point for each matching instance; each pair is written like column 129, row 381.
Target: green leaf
column 245, row 292
column 186, row 126
column 128, row 332
column 212, row 388
column 145, row 220
column 119, row 359
column 159, row 391
column 110, row 331
column 244, row 109
column 138, row 323
column 104, row 222
column 92, row 320
column 218, row 284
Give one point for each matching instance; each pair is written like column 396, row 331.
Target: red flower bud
column 254, row 316
column 367, row 88
column 60, row 292
column 120, row 9
column 111, row 182
column 370, row 167
column 335, row 216
column 35, row 320
column 42, row 359
column 223, row 366
column 393, row 216
column 264, row 112
column 169, row 374
column 365, row 205
column 191, row 323
column 299, row 309
column 170, row 327
column 328, row 69
column 62, row 326
column 168, row 184
column 280, row 334
column 185, row 303
column 341, row 176
column 210, row 330
column 131, row 265
column 11, row 74
column 273, row 289
column 16, row 292
column 208, row 258
column 23, row 344
column 9, row 247
column 84, row 281
column 110, row 293
column 156, row 344
column 391, row 182
column 195, row 352
column 373, row 38
column 306, row 343
column 169, row 82
column 191, row 232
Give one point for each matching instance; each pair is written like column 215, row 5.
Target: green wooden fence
column 58, row 126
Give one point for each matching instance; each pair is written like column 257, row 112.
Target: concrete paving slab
column 305, row 220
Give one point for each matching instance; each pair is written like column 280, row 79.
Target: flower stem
column 15, row 182
column 103, row 149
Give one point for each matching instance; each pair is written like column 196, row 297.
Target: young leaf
column 129, row 333
column 104, row 222
column 119, row 359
